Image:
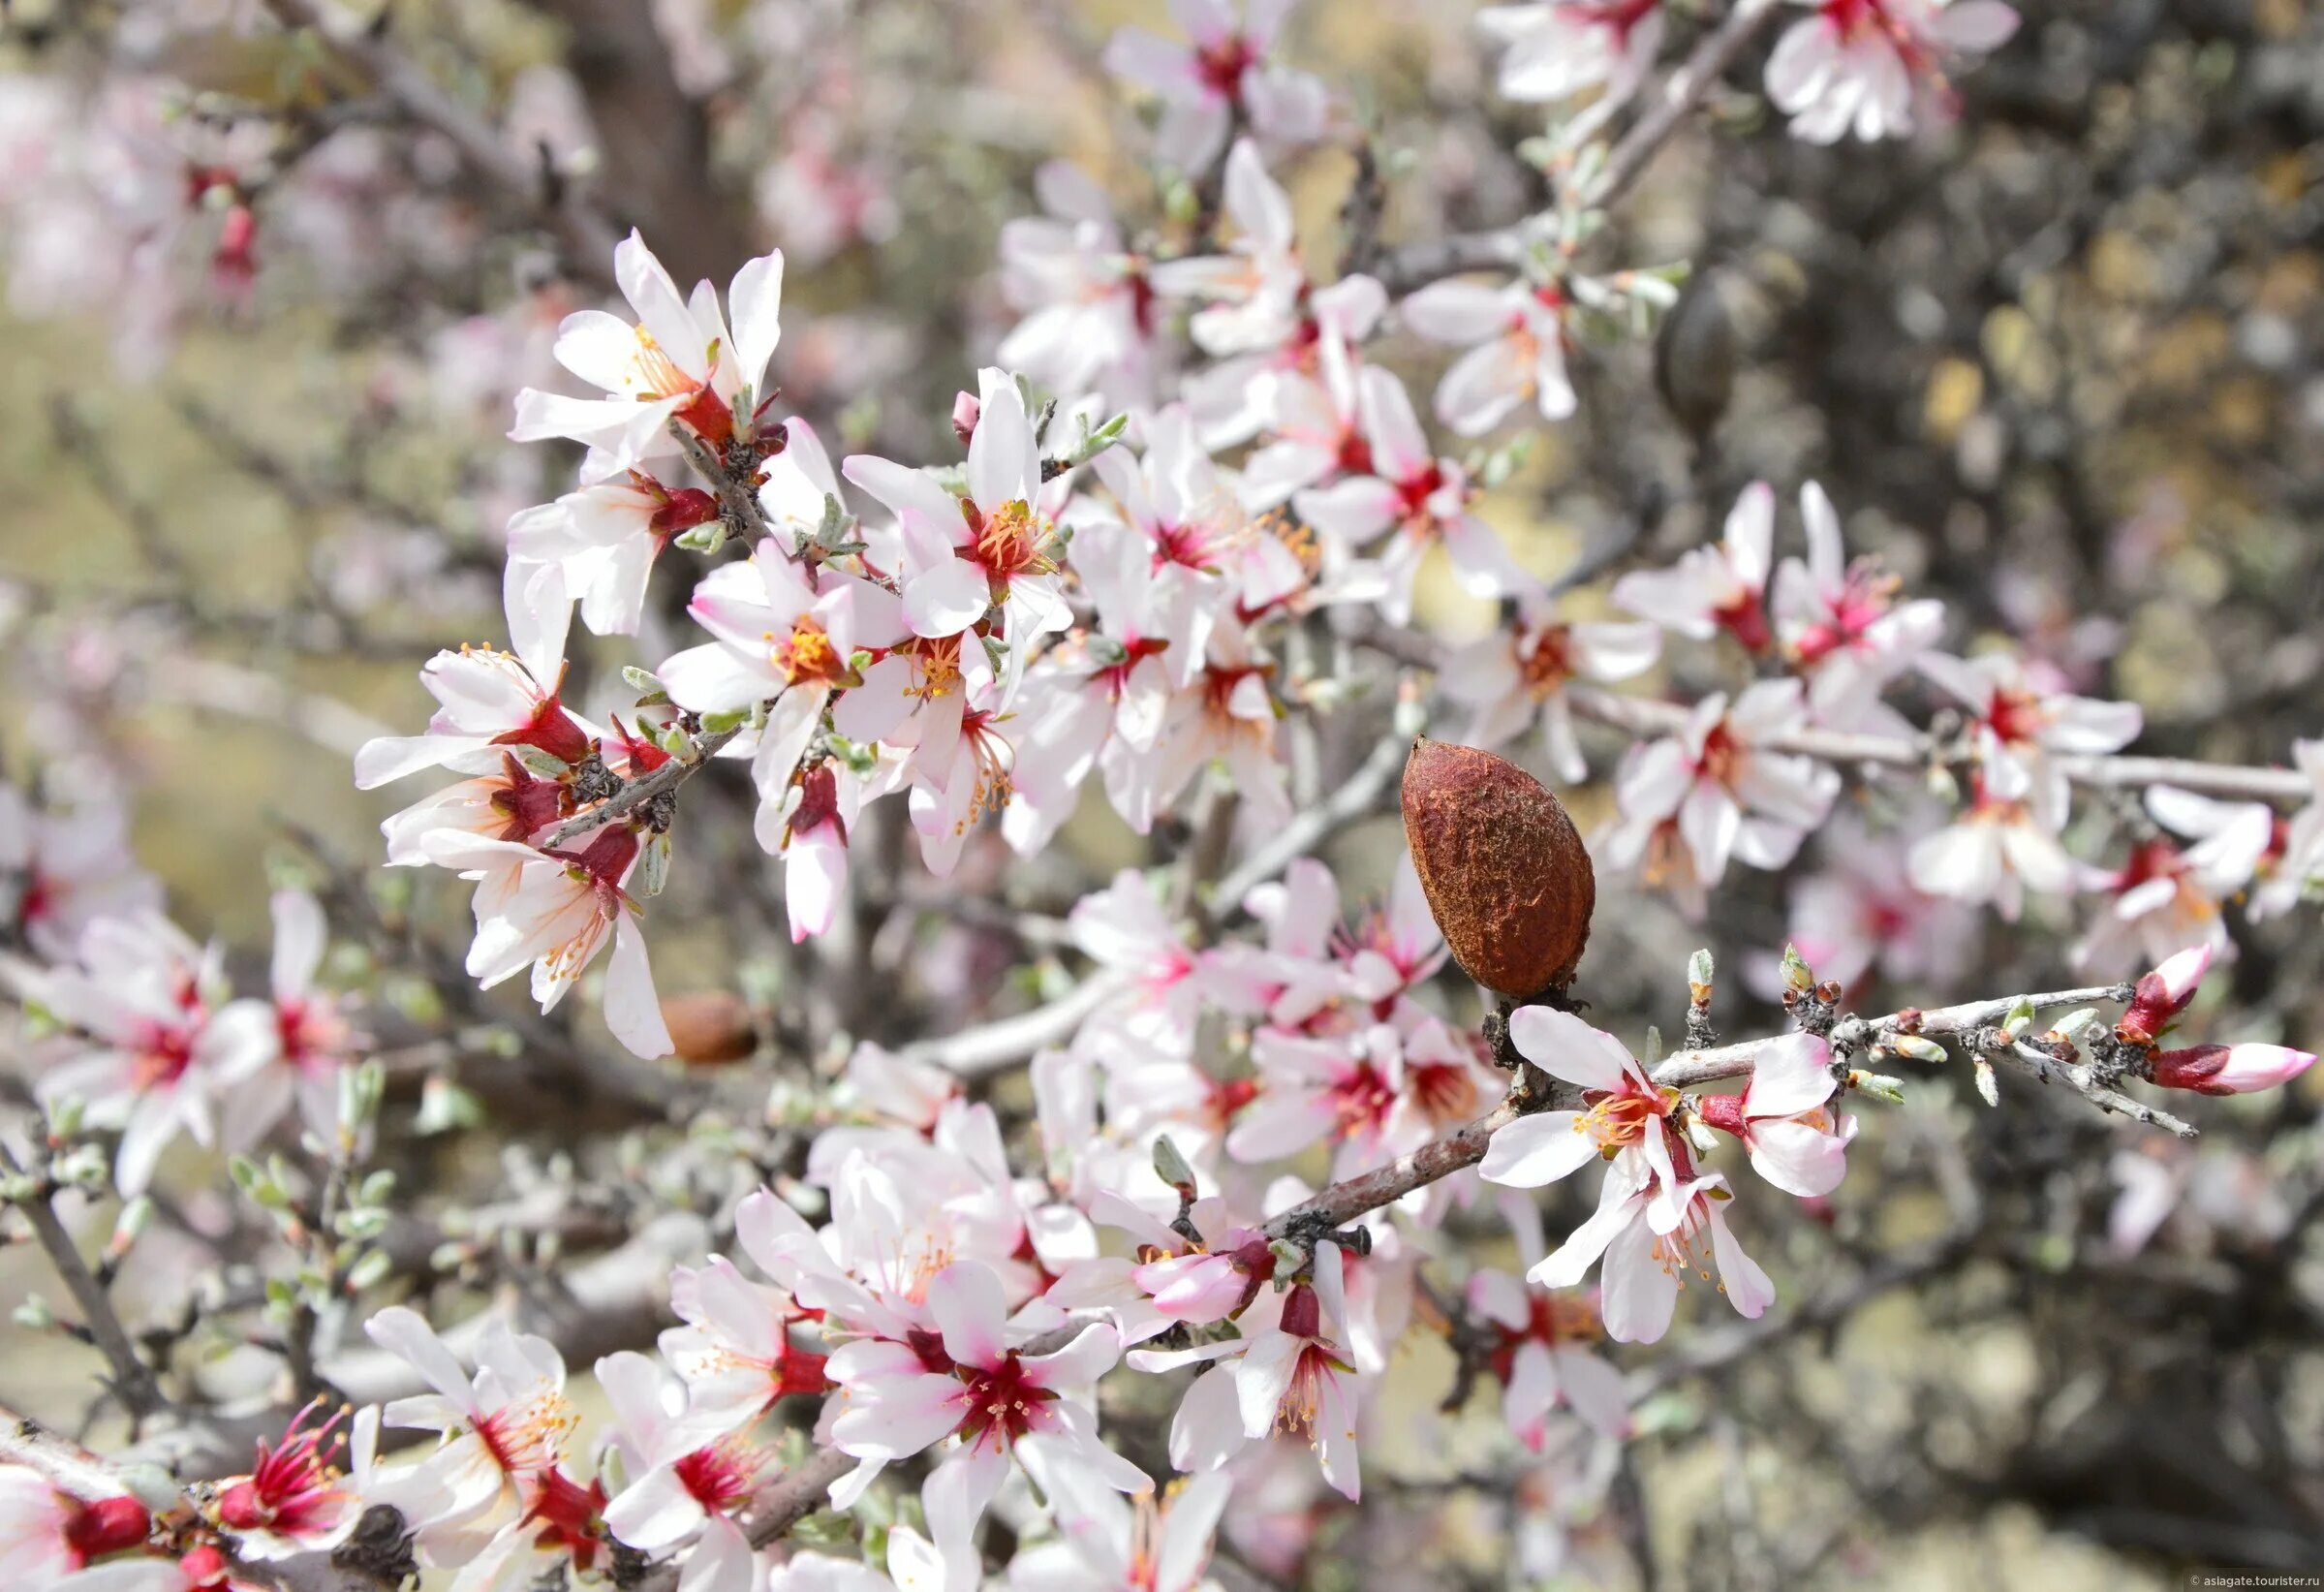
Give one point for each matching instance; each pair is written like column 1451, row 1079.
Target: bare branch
column 133, row 1379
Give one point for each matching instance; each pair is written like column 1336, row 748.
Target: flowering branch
column 1344, row 1201
column 1639, row 716
column 739, row 502
column 1419, row 263
column 644, row 788
column 84, row 1476
column 1682, row 92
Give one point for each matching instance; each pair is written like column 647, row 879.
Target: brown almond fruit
column 710, row 1028
column 1506, row 876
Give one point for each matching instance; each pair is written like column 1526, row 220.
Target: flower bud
column 2162, row 994
column 107, row 1525
column 2229, row 1069
column 710, row 1028
column 1505, row 875
column 965, row 411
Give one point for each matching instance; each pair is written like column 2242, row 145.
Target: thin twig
column 586, row 240
column 644, row 788
column 1416, row 264
column 1642, row 716
column 133, row 1379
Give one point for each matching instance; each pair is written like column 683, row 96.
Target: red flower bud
column 1507, row 878
column 107, row 1525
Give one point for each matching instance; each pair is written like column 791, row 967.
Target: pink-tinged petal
column 1499, row 1298
column 1258, row 205
column 716, row 679
column 1976, row 25
column 954, row 1499
column 907, row 1415
column 1459, row 311
column 300, row 935
column 970, row 1311
column 1152, row 62
column 1079, row 1363
column 1003, row 464
column 633, row 1009
column 1208, row 1429
column 947, row 599
column 1746, row 1285
column 1279, row 1125
column 1187, row 1530
column 1594, row 1391
column 1799, row 1159
column 1400, row 449
column 1620, row 1207
column 755, row 298
column 1636, row 1295
column 1353, row 512
column 1335, row 1438
column 1261, row 1378
column 1750, row 534
column 659, row 310
column 1789, row 1075
column 721, row 1562
column 814, row 880
column 403, row 1333
column 1484, row 384
column 1564, row 1047
column 539, row 610
column 655, row 1511
column 1534, row 1150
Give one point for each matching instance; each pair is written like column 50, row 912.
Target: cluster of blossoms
column 1128, row 574
column 136, row 1029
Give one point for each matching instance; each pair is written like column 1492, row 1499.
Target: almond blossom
column 965, row 1378
column 1727, row 793
column 491, row 699
column 995, row 546
column 1996, row 851
column 1651, row 1229
column 504, row 1426
column 604, row 540
column 1396, row 484
column 1715, row 589
column 1869, row 67
column 2017, row 722
column 287, row 1050
column 554, row 911
column 1087, row 299
column 1254, row 295
column 2165, row 894
column 1221, row 75
column 687, row 1473
column 1517, row 677
column 1557, row 49
column 142, row 1048
column 678, row 363
column 1515, row 334
column 787, row 634
column 1544, row 1361
column 1841, row 627
column 60, row 871
column 295, row 1500
column 1625, row 1114
column 1784, row 1117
